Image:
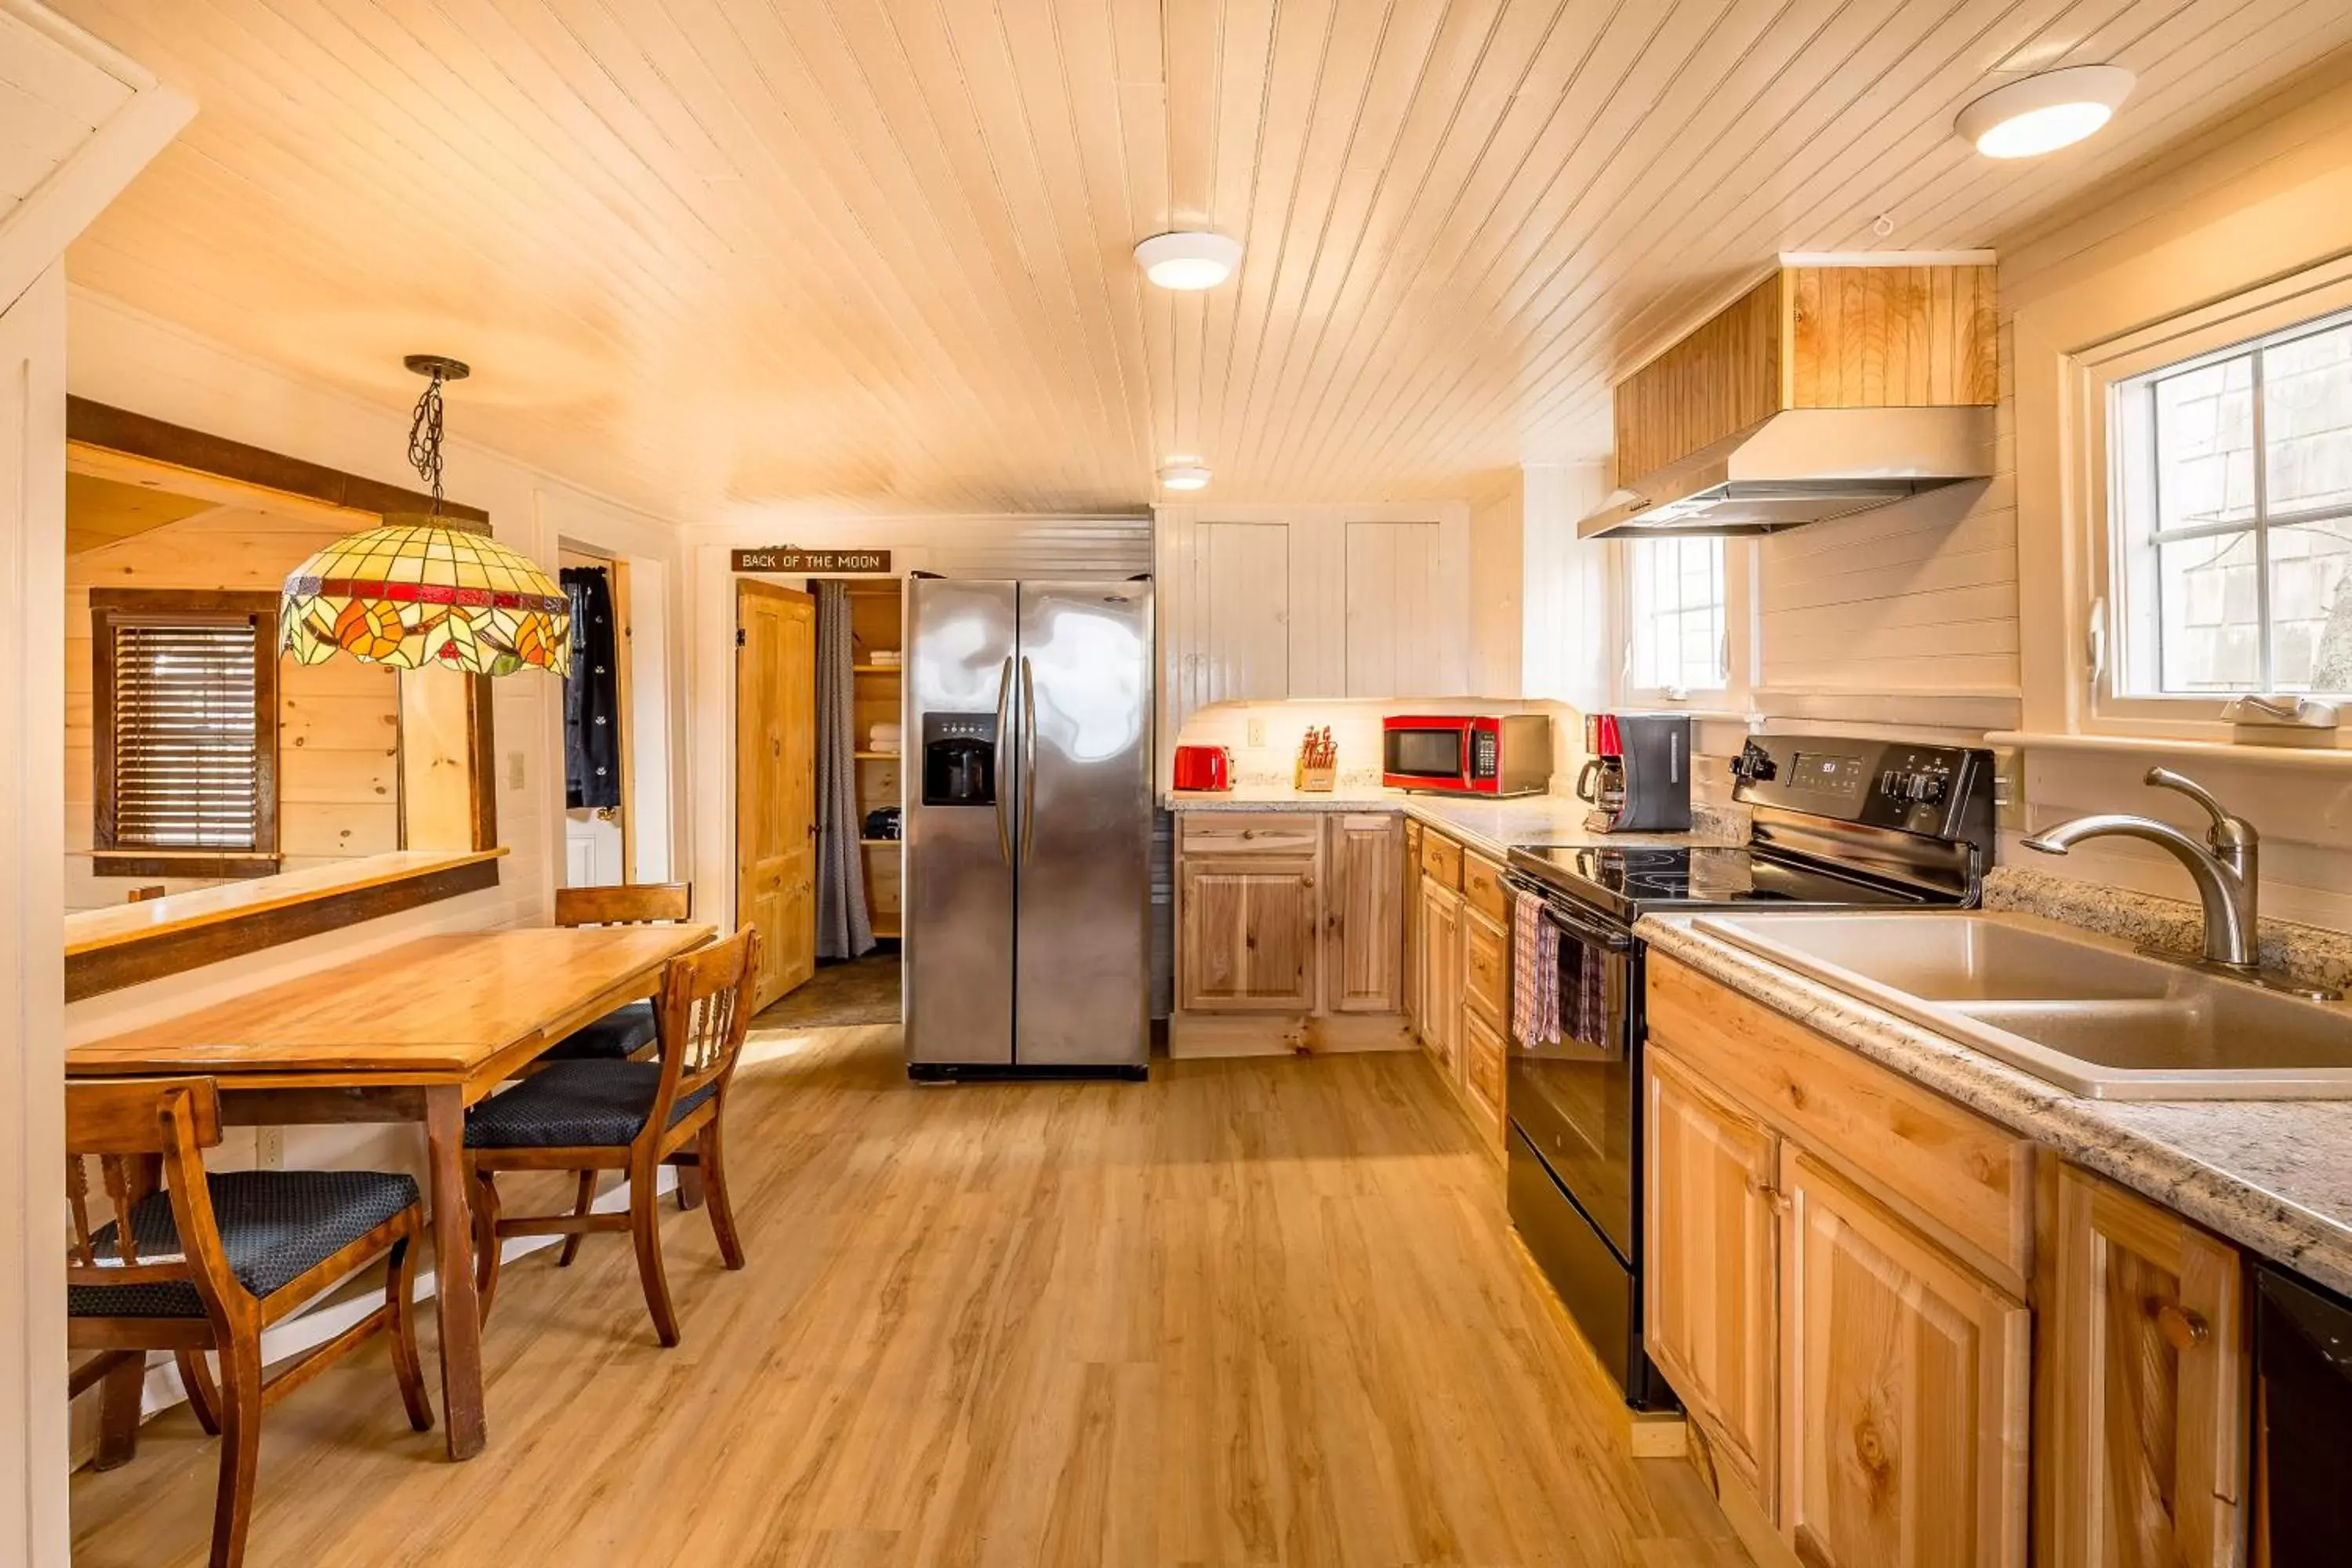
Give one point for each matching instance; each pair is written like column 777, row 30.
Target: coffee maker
column 1637, row 779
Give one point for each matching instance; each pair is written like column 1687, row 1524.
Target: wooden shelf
column 871, row 843
column 879, row 756
column 886, row 927
column 877, row 669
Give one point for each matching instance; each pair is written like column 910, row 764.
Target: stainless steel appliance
column 1028, row 828
column 2303, row 1422
column 1839, row 823
column 1467, row 754
column 1637, row 778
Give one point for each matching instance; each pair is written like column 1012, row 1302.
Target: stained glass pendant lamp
column 418, row 592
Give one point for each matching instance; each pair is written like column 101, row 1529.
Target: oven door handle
column 1585, row 931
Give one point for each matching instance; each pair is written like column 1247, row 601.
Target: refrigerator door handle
column 1003, row 698
column 1028, row 762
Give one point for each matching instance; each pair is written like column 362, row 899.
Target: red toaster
column 1204, row 768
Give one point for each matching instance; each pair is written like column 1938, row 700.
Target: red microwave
column 1463, row 753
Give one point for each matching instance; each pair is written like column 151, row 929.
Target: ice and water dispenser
column 959, row 759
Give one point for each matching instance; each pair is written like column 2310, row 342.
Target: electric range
column 1839, row 822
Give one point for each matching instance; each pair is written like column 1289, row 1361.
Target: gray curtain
column 842, row 927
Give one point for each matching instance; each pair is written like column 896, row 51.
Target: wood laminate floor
column 1249, row 1312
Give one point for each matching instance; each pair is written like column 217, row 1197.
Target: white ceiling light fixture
column 2043, row 112
column 1189, row 258
column 1184, row 474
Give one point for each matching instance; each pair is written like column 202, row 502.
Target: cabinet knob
column 2181, row 1328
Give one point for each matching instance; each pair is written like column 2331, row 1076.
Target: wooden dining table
column 416, row 1033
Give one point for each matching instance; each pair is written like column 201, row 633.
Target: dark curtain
column 592, row 694
column 844, row 928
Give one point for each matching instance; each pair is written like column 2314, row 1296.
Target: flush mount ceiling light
column 423, row 589
column 1189, row 258
column 2042, row 113
column 1184, row 474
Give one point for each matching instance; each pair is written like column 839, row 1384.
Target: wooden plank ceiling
column 716, row 256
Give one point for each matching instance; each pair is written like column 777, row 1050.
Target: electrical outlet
column 514, row 770
column 269, row 1147
column 1257, row 731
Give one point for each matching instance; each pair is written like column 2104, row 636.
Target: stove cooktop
column 1632, row 881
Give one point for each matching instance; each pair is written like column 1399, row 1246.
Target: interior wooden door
column 775, row 781
column 1709, row 1307
column 2146, row 1347
column 1904, row 1390
column 1364, row 913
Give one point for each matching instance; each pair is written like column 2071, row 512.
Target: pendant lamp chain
column 425, row 438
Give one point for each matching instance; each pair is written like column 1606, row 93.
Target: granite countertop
column 1489, row 827
column 2273, row 1176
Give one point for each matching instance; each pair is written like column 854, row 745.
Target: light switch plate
column 1257, row 731
column 269, row 1147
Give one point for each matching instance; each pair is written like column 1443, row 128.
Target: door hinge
column 739, row 637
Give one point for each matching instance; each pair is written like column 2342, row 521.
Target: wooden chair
column 592, row 1116
column 627, row 1031
column 191, row 1262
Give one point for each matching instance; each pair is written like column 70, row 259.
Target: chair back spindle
column 705, row 1014
column 143, row 1134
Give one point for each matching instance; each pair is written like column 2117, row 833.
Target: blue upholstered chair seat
column 612, row 1037
column 275, row 1225
column 574, row 1105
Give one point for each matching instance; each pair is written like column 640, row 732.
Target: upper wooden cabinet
column 2145, row 1349
column 1904, row 1390
column 1364, row 918
column 1814, row 337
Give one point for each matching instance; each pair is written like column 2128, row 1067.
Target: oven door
column 1429, row 757
column 1574, row 1102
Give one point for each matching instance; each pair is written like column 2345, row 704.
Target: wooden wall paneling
column 1875, row 337
column 1722, row 378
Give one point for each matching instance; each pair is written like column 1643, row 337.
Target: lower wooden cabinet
column 1712, row 1286
column 1363, row 921
column 1251, row 928
column 1482, row 1071
column 1906, row 1390
column 1440, row 1018
column 2145, row 1339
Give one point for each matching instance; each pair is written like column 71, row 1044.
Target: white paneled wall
column 1397, row 630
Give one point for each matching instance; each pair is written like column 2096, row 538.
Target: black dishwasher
column 2303, row 1423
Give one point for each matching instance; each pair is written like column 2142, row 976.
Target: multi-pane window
column 2233, row 490
column 1674, row 606
column 185, row 703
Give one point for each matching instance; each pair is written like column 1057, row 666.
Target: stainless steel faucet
column 2224, row 865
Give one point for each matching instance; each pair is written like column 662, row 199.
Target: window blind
column 186, row 747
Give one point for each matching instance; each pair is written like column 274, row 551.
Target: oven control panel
column 1944, row 792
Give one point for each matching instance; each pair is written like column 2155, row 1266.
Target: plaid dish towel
column 1535, row 972
column 1591, row 995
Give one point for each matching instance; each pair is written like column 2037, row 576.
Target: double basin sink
column 2093, row 1016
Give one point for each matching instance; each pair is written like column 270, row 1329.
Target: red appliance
column 1464, row 753
column 1204, row 768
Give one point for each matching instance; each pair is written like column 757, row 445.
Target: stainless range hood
column 1833, row 385
column 1805, row 464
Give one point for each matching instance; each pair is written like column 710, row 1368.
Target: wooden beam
column 177, row 447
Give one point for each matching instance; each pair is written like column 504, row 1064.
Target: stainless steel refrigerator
column 1028, row 828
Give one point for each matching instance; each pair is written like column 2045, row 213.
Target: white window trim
column 1733, row 699
column 2089, row 378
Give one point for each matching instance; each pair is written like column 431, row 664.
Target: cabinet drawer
column 1440, row 860
column 1486, row 967
column 1964, row 1181
column 1484, row 890
column 1250, row 833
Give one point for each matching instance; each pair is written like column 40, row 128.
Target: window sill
column 2318, row 759
column 108, row 949
column 152, row 863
